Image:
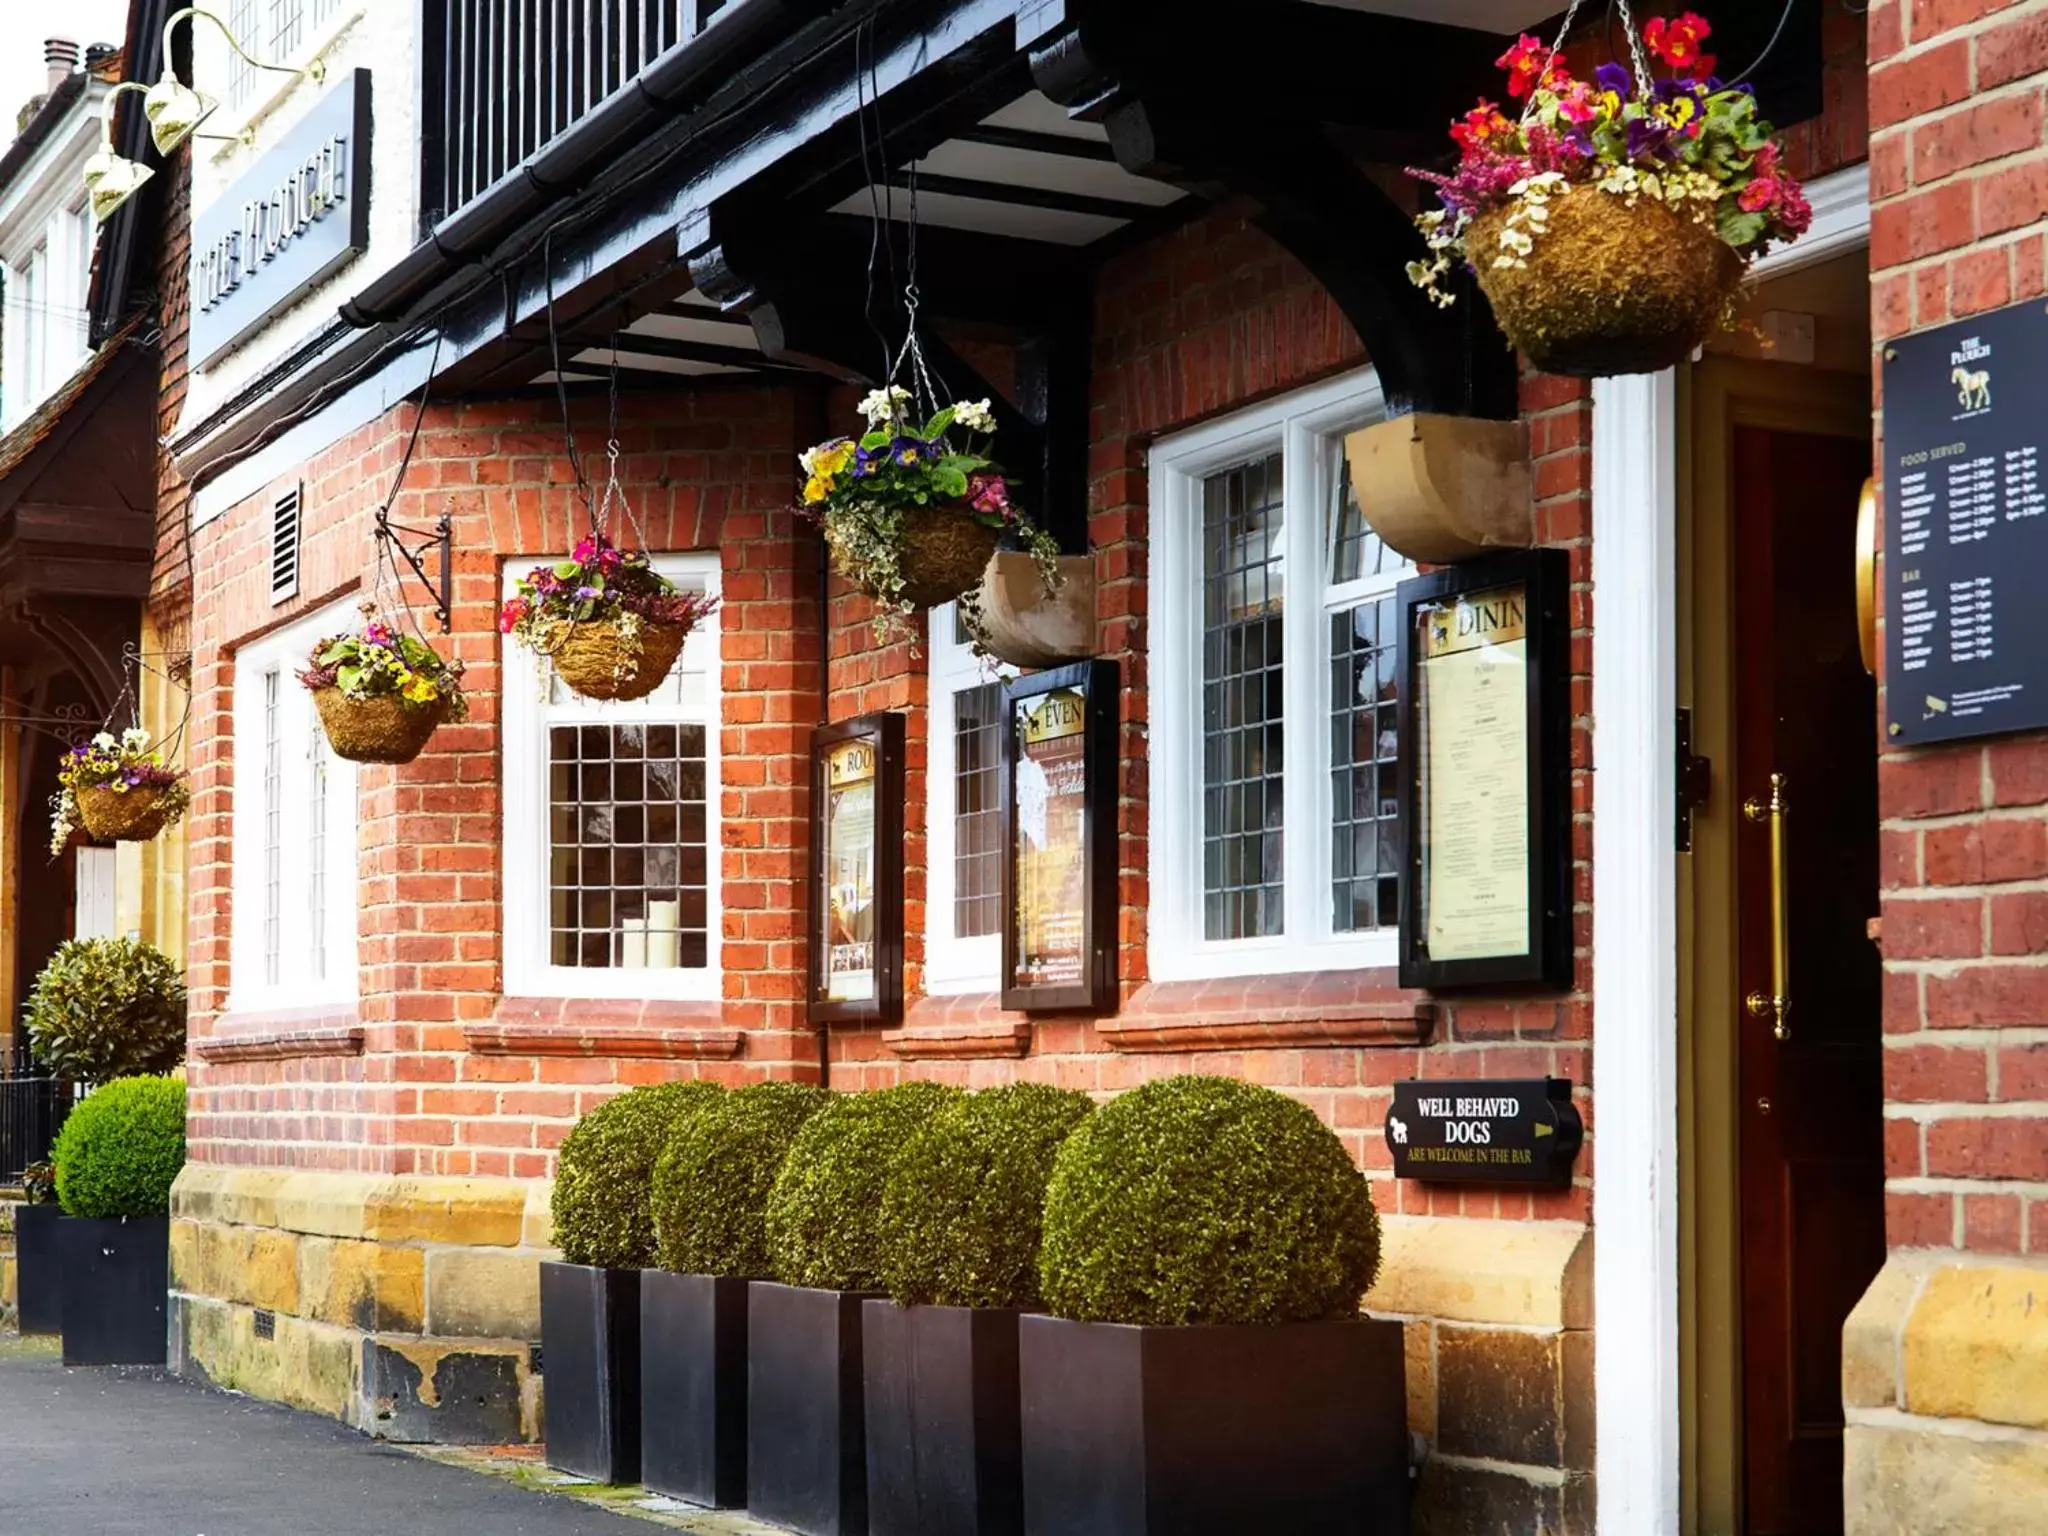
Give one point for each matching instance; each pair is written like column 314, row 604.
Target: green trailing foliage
column 1206, row 1200
column 825, row 1214
column 965, row 1198
column 604, row 1178
column 712, row 1182
column 121, row 1148
column 107, row 1008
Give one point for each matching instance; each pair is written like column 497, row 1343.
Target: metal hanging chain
column 1639, row 64
column 614, row 488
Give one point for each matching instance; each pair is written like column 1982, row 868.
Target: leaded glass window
column 977, row 848
column 629, row 855
column 1243, row 858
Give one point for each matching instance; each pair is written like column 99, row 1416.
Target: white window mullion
column 1307, row 685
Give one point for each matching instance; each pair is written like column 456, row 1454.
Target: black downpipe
column 679, row 79
column 824, row 706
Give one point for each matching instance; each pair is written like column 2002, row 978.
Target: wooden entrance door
column 1810, row 1107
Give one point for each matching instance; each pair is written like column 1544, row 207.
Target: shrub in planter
column 1206, row 1245
column 38, row 1272
column 611, row 624
column 806, row 1455
column 961, row 1217
column 590, row 1302
column 381, row 693
column 711, row 1190
column 117, row 1156
column 1610, row 221
column 107, row 1008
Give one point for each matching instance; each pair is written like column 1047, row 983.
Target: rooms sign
column 297, row 216
column 1484, row 1130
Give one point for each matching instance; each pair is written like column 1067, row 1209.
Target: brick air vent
column 284, row 547
column 266, row 1323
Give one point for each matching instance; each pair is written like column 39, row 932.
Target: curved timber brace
column 1224, row 123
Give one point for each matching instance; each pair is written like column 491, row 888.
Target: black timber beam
column 1203, row 121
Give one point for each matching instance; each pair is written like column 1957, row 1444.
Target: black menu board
column 1966, row 538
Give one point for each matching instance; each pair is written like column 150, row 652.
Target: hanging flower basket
column 610, row 623
column 1615, row 285
column 913, row 514
column 944, row 552
column 384, row 729
column 618, row 657
column 1611, row 224
column 381, row 694
column 118, row 788
column 129, row 815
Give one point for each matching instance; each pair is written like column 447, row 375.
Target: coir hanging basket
column 126, row 815
column 383, row 729
column 945, row 551
column 595, row 660
column 1613, row 285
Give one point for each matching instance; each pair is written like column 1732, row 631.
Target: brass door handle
column 1777, row 1003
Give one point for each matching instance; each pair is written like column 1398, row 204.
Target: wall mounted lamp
column 175, row 111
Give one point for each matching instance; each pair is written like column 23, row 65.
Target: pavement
column 96, row 1452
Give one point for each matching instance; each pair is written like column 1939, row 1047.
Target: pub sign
column 287, row 224
column 1484, row 1130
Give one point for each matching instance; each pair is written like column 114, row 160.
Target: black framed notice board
column 1059, row 839
column 1965, row 535
column 1485, row 760
column 856, row 905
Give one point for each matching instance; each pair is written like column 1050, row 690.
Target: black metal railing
column 32, row 1111
column 503, row 77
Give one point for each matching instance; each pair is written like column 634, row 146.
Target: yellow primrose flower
column 816, row 489
column 832, row 459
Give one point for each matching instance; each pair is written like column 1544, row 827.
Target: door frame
column 1645, row 1476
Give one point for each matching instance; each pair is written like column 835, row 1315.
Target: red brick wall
column 703, row 471
column 1959, row 184
column 1199, row 322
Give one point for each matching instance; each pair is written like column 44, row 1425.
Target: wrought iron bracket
column 439, row 540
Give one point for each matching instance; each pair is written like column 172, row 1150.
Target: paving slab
column 135, row 1453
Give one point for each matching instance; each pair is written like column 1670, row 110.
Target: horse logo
column 1973, row 388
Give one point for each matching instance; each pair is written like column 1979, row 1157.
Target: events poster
column 856, row 871
column 850, row 774
column 1051, row 789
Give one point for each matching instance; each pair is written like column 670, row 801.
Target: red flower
column 1477, row 126
column 511, row 614
column 1530, row 66
column 1677, row 41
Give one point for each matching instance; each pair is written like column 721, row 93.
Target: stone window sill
column 961, row 1026
column 281, row 1036
column 1247, row 1012
column 672, row 1031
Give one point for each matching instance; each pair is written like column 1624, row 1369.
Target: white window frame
column 952, row 965
column 1307, row 427
column 303, row 752
column 527, row 714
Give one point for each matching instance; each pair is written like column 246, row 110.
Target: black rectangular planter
column 117, row 1280
column 590, row 1343
column 693, row 1387
column 1214, row 1431
column 806, row 1452
column 38, row 1269
column 944, row 1451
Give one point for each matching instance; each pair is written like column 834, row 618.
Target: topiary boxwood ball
column 712, row 1183
column 605, row 1174
column 107, row 1008
column 824, row 1216
column 965, row 1199
column 121, row 1148
column 1206, row 1200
